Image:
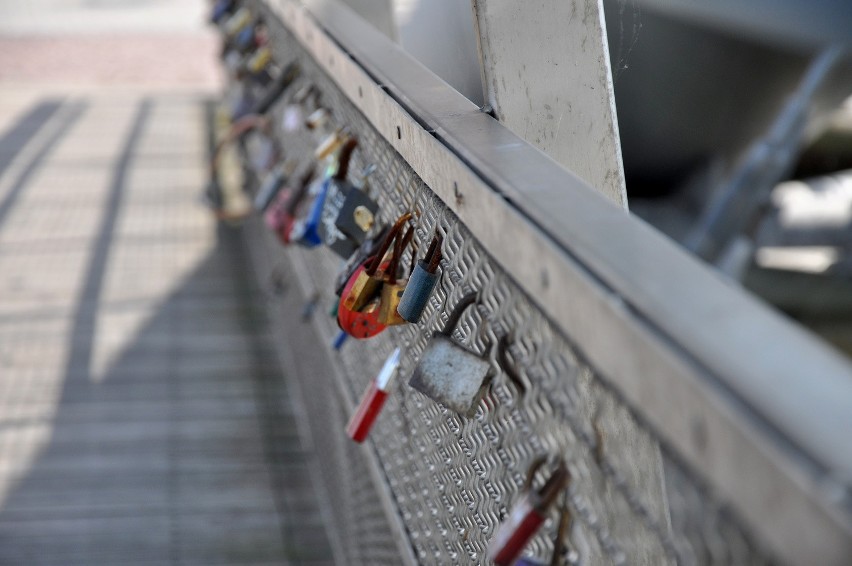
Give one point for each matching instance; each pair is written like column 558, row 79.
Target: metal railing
column 698, row 425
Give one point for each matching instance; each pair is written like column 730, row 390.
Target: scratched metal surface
column 453, row 479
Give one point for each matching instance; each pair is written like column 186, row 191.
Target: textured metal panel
column 452, row 479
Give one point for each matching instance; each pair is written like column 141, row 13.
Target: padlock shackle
column 433, row 254
column 383, row 249
column 458, row 311
column 509, row 368
column 562, row 531
column 398, row 248
column 344, row 157
column 554, row 486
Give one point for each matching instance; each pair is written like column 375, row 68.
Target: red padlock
column 373, row 400
column 282, row 213
column 527, row 515
column 364, row 323
column 359, row 308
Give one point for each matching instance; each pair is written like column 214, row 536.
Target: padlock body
column 360, row 289
column 222, row 9
column 361, row 324
column 365, row 415
column 259, row 60
column 344, row 215
column 451, row 375
column 238, row 20
column 306, row 230
column 414, row 299
column 244, row 40
column 514, row 534
column 336, row 240
column 391, row 295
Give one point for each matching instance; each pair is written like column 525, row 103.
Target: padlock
column 237, row 21
column 221, row 10
column 281, row 215
column 392, row 288
column 244, row 41
column 421, row 283
column 306, row 230
column 284, row 79
column 360, row 301
column 347, row 217
column 366, row 281
column 373, row 400
column 368, row 249
column 527, row 515
column 340, row 198
column 272, row 185
column 258, row 61
column 356, row 214
column 450, row 374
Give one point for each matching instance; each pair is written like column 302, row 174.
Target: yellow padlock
column 260, row 60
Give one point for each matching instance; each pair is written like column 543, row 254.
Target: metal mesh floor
column 143, row 415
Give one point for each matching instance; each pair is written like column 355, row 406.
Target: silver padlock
column 450, row 374
column 421, row 283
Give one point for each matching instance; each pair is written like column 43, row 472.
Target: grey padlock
column 421, row 283
column 450, row 374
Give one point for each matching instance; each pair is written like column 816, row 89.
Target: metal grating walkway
column 143, row 416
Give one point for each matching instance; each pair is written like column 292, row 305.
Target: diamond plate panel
column 453, row 479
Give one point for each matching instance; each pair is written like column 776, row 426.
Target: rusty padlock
column 421, row 283
column 392, row 286
column 366, row 281
column 368, row 249
column 527, row 515
column 450, row 374
column 373, row 400
column 360, row 301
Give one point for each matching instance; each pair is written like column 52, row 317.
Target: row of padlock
column 315, row 204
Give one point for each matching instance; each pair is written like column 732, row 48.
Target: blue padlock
column 245, row 39
column 222, row 9
column 421, row 283
column 305, row 230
